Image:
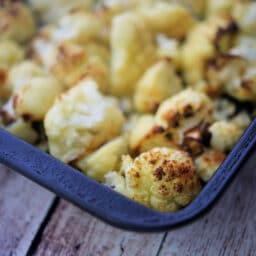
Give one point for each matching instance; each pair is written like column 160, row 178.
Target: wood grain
column 73, row 232
column 23, row 207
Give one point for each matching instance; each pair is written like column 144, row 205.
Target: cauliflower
column 33, row 99
column 22, row 72
column 10, row 54
column 185, row 110
column 105, row 159
column 169, row 48
column 235, row 75
column 133, row 50
column 204, row 41
column 51, row 11
column 145, row 135
column 78, row 26
column 244, row 13
column 23, row 130
column 223, row 109
column 80, row 121
column 71, row 62
column 162, row 178
column 208, row 163
column 16, row 22
column 219, row 6
column 158, row 83
column 224, row 135
column 168, row 18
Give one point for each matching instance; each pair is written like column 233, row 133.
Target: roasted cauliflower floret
column 33, row 99
column 51, row 11
column 146, row 134
column 78, row 26
column 10, row 54
column 169, row 48
column 235, row 75
column 23, row 130
column 244, row 13
column 224, row 135
column 219, row 6
column 80, row 121
column 183, row 111
column 204, row 41
column 171, row 19
column 16, row 22
column 162, row 178
column 133, row 50
column 158, row 83
column 22, row 72
column 71, row 62
column 105, row 159
column 208, row 163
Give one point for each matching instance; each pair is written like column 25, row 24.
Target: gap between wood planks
column 38, row 237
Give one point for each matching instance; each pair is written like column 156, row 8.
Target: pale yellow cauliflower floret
column 33, row 99
column 224, row 135
column 133, row 50
column 204, row 41
column 235, row 75
column 23, row 130
column 80, row 121
column 158, row 83
column 71, row 62
column 10, row 54
column 219, row 6
column 146, row 134
column 244, row 13
column 16, row 22
column 169, row 48
column 171, row 19
column 78, row 26
column 208, row 163
column 183, row 111
column 51, row 11
column 22, row 72
column 162, row 178
column 105, row 159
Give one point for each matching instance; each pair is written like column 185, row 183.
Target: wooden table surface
column 35, row 222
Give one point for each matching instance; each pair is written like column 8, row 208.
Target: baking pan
column 108, row 205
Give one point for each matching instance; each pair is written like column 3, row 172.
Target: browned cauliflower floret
column 51, row 11
column 105, row 159
column 133, row 50
column 204, row 41
column 71, row 62
column 146, row 134
column 158, row 83
column 208, row 163
column 183, row 111
column 224, row 135
column 244, row 13
column 235, row 75
column 162, row 178
column 171, row 19
column 219, row 6
column 16, row 22
column 10, row 54
column 80, row 121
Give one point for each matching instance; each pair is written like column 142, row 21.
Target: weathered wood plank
column 73, row 232
column 230, row 227
column 23, row 207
